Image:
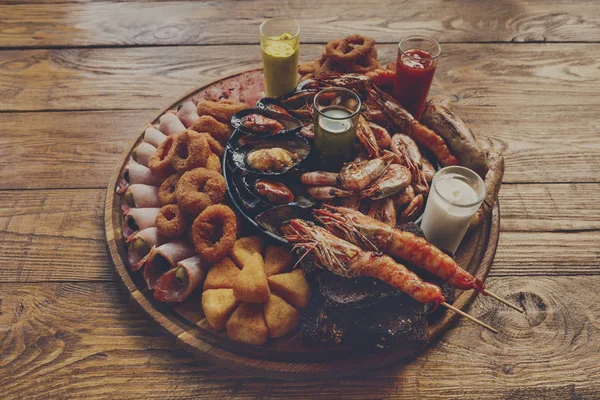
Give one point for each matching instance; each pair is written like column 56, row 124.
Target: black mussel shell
column 248, row 198
column 272, row 219
column 294, row 144
column 290, row 124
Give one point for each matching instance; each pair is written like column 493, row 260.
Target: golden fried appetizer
column 281, row 318
column 251, row 284
column 244, row 248
column 218, row 305
column 247, row 324
column 292, row 287
column 222, row 275
column 221, row 110
column 277, row 260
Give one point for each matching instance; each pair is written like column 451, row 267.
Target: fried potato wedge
column 251, row 284
column 244, row 248
column 247, row 324
column 222, row 275
column 277, row 260
column 292, row 287
column 281, row 318
column 218, row 305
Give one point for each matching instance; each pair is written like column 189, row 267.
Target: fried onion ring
column 198, row 189
column 221, row 110
column 218, row 130
column 364, row 65
column 349, row 49
column 214, row 145
column 214, row 163
column 214, row 232
column 170, row 221
column 160, row 162
column 166, row 191
column 191, row 150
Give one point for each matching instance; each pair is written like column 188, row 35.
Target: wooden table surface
column 78, row 79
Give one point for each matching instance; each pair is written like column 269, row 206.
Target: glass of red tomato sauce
column 417, row 60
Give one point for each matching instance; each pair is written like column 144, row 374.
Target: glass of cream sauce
column 455, row 196
column 280, row 44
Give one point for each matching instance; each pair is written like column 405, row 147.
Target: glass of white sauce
column 455, row 196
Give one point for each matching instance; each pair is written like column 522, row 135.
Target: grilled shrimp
column 405, row 197
column 320, row 178
column 382, row 136
column 366, row 137
column 383, row 210
column 394, row 180
column 327, row 192
column 412, row 210
column 374, row 235
column 358, row 175
column 348, row 260
column 410, row 156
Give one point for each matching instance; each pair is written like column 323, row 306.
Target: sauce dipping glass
column 455, row 196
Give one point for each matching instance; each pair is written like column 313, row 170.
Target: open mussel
column 265, row 123
column 272, row 219
column 271, row 157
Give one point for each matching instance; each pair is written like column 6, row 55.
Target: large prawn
column 348, row 260
column 375, row 235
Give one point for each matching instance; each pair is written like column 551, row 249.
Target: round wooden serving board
column 287, row 357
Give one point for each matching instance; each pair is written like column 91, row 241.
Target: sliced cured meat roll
column 136, row 219
column 177, row 283
column 140, row 196
column 163, row 258
column 142, row 153
column 169, row 123
column 137, row 173
column 187, row 114
column 153, row 136
column 140, row 244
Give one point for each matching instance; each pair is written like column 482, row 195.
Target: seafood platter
column 294, row 226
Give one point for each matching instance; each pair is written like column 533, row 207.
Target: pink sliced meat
column 139, row 218
column 247, row 87
column 137, row 173
column 153, row 136
column 143, row 152
column 144, row 196
column 187, row 114
column 169, row 124
column 165, row 257
column 170, row 288
column 140, row 244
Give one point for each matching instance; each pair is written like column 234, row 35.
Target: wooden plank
column 192, row 23
column 53, row 347
column 493, row 75
column 57, row 235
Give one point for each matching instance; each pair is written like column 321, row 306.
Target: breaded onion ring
column 213, row 144
column 221, row 110
column 170, row 221
column 191, row 151
column 198, row 189
column 349, row 49
column 214, row 232
column 166, row 191
column 218, row 130
column 160, row 162
column 364, row 65
column 214, row 163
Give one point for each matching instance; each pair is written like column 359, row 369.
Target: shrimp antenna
column 469, row 317
column 486, row 292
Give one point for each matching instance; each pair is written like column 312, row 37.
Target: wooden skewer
column 470, row 317
column 501, row 300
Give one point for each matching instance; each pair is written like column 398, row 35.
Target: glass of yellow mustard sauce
column 280, row 45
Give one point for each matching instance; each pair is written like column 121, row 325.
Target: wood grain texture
column 491, row 75
column 202, row 22
column 57, row 235
column 68, row 346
